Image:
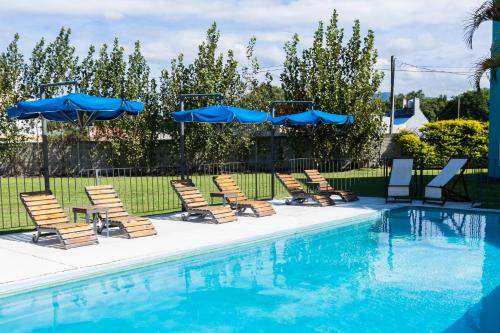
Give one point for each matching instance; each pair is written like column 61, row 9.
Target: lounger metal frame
column 448, row 192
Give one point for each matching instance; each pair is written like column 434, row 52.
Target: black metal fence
column 147, row 191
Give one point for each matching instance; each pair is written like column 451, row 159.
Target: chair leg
column 36, row 236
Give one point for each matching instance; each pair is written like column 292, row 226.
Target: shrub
column 442, row 140
column 413, row 146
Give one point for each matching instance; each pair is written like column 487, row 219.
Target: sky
column 423, row 33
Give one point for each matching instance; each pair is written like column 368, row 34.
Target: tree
column 210, row 72
column 11, row 91
column 86, row 71
column 61, row 63
column 338, row 78
column 487, row 11
column 473, row 105
column 433, row 107
column 441, row 140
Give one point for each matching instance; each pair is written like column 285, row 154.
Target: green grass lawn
column 154, row 195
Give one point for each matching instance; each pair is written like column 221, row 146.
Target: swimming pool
column 409, row 269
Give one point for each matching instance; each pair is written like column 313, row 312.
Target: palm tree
column 482, row 67
column 488, row 11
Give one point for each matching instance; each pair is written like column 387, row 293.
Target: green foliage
column 473, row 105
column 432, row 107
column 339, row 78
column 11, row 91
column 213, row 72
column 441, row 140
column 412, row 146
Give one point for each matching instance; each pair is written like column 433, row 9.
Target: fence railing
column 147, row 191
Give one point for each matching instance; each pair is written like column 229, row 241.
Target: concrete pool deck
column 26, row 265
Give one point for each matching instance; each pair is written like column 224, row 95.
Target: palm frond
column 483, row 66
column 488, row 11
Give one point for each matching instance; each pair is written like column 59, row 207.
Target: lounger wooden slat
column 49, row 219
column 98, row 187
column 226, row 183
column 314, row 176
column 53, row 221
column 299, row 195
column 50, row 211
column 71, row 228
column 86, row 240
column 143, row 233
column 70, row 235
column 132, row 226
column 196, row 205
column 106, row 201
column 47, row 206
column 102, row 191
column 101, row 196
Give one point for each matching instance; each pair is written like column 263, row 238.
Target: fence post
column 97, row 176
column 272, row 156
column 421, row 180
column 45, row 150
column 256, row 171
column 385, row 162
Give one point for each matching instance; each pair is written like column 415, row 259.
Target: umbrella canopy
column 312, row 117
column 77, row 108
column 221, row 114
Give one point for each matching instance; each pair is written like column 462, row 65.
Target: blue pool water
column 410, row 270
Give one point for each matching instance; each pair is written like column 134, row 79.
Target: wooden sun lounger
column 132, row 226
column 196, row 205
column 226, row 183
column 322, row 185
column 299, row 195
column 49, row 219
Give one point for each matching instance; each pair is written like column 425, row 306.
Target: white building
column 410, row 117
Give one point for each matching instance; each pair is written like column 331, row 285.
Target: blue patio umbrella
column 75, row 108
column 216, row 114
column 312, row 117
column 221, row 114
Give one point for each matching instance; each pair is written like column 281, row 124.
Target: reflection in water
column 433, row 223
column 393, row 273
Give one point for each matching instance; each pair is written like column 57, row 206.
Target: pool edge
column 81, row 274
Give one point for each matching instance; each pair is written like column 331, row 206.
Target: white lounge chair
column 398, row 188
column 437, row 192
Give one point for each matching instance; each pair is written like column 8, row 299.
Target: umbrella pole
column 272, row 157
column 45, row 149
column 181, row 148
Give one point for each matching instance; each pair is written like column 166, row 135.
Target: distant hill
column 384, row 96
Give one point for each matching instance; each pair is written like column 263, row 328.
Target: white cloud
column 425, row 32
column 398, row 45
column 376, row 13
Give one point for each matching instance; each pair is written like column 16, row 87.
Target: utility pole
column 458, row 108
column 393, row 69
